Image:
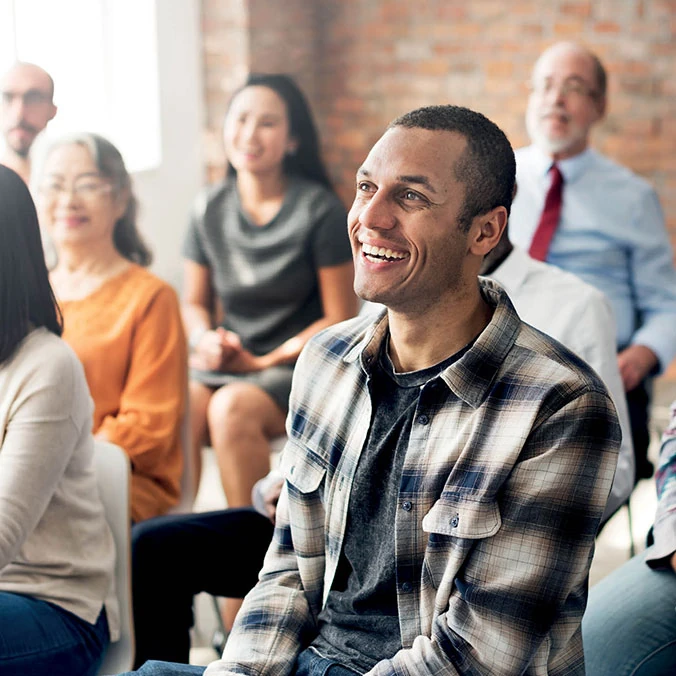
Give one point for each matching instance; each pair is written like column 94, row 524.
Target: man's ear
column 601, row 107
column 486, row 231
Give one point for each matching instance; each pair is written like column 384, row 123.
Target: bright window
column 102, row 55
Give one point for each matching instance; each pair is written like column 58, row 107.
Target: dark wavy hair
column 27, row 301
column 306, row 161
column 110, row 164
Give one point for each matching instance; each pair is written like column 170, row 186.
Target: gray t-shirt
column 359, row 626
column 266, row 276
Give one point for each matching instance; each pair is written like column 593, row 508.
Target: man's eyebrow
column 418, row 179
column 32, row 90
column 85, row 174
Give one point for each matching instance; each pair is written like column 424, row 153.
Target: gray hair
column 110, row 164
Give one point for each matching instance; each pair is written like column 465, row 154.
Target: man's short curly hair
column 487, row 167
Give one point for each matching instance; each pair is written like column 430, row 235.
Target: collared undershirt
column 359, row 626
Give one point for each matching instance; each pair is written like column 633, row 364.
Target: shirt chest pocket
column 470, row 519
column 455, row 528
column 303, row 469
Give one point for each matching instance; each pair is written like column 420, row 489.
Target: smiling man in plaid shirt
column 447, row 465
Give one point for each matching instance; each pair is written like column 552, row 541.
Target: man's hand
column 673, row 561
column 635, row 362
column 271, row 497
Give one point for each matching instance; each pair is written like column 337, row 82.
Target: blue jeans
column 157, row 668
column 37, row 637
column 309, row 663
column 629, row 628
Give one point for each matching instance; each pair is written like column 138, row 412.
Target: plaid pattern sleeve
column 508, row 467
column 664, row 530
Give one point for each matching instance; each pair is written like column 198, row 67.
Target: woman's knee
column 239, row 407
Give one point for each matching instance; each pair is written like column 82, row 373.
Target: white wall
column 166, row 193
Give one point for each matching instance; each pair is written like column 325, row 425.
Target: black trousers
column 638, row 403
column 176, row 557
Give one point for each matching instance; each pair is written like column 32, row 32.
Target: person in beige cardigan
column 57, row 600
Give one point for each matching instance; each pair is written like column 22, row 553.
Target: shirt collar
column 470, row 377
column 571, row 168
column 513, row 270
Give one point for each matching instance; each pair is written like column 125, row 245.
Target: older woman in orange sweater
column 122, row 321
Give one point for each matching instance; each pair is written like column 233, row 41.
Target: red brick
column 362, row 62
column 582, row 9
column 607, row 27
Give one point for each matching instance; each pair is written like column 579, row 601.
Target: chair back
column 113, row 479
column 188, row 478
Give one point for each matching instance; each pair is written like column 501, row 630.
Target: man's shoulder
column 607, row 169
column 545, row 363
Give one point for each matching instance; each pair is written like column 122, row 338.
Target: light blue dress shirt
column 612, row 235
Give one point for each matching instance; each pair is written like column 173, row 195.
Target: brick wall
column 362, row 62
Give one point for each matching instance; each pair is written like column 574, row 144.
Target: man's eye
column 33, row 98
column 363, row 187
column 410, row 195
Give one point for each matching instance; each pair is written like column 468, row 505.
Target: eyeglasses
column 31, row 99
column 572, row 87
column 86, row 190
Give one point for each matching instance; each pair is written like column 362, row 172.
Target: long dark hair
column 26, row 297
column 110, row 164
column 306, row 161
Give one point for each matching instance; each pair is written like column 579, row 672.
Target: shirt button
column 423, row 419
column 407, row 506
column 455, row 521
column 406, row 587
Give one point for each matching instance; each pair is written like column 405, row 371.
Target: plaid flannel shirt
column 507, row 480
column 664, row 530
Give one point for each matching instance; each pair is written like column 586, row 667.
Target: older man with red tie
column 580, row 211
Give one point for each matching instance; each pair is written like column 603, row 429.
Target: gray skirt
column 275, row 381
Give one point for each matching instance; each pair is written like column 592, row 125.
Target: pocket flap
column 463, row 518
column 302, row 468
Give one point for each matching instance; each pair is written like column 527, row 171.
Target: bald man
column 25, row 109
column 586, row 214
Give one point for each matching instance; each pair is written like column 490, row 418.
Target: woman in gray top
column 270, row 246
column 58, row 609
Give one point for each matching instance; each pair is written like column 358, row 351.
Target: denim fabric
column 311, row 663
column 629, row 628
column 156, row 668
column 37, row 637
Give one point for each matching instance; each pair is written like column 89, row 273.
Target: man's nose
column 555, row 95
column 16, row 108
column 377, row 213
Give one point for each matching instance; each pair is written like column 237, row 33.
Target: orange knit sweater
column 129, row 337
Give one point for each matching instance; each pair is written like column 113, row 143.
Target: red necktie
column 539, row 245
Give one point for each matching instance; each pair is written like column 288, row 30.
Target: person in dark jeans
column 167, row 573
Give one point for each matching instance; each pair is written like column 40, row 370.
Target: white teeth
column 382, row 252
